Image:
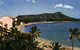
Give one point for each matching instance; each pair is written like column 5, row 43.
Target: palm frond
column 79, row 33
column 75, row 30
column 71, row 37
column 77, row 37
column 70, row 30
column 38, row 33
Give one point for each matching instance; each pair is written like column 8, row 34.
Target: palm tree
column 57, row 46
column 74, row 33
column 35, row 31
column 32, row 35
column 13, row 39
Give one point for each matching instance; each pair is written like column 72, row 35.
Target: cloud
column 68, row 6
column 33, row 1
column 63, row 6
column 1, row 3
column 59, row 5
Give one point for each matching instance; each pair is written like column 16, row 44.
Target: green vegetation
column 33, row 34
column 57, row 46
column 74, row 33
column 15, row 40
column 58, row 16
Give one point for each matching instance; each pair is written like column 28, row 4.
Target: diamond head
column 58, row 16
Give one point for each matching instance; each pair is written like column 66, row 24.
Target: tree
column 13, row 39
column 57, row 46
column 32, row 35
column 35, row 32
column 74, row 33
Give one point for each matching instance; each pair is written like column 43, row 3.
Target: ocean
column 57, row 31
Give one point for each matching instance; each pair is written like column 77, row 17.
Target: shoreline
column 21, row 28
column 48, row 44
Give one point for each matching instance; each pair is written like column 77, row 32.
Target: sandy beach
column 21, row 27
column 43, row 41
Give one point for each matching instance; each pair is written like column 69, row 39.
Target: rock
column 47, row 48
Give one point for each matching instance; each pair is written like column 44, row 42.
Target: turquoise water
column 57, row 31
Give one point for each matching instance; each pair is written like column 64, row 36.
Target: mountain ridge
column 58, row 16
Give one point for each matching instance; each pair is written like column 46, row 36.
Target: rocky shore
column 48, row 45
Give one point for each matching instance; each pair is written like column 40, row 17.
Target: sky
column 25, row 7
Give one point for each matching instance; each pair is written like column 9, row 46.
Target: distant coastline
column 57, row 16
column 21, row 27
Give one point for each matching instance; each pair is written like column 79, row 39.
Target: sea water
column 57, row 31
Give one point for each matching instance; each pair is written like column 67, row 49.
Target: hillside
column 58, row 16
